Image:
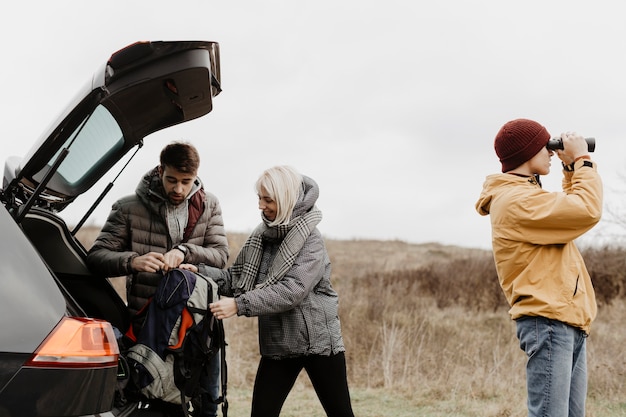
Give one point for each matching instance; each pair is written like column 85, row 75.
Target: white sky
column 391, row 106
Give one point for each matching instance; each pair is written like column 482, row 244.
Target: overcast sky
column 392, row 106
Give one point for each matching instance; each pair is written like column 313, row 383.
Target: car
column 58, row 347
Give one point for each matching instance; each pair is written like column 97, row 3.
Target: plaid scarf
column 246, row 268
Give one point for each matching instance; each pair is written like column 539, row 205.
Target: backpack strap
column 224, row 368
column 188, row 370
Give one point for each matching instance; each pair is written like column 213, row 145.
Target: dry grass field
column 427, row 334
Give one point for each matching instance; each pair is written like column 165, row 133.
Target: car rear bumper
column 47, row 392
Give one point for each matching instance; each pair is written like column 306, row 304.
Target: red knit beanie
column 518, row 141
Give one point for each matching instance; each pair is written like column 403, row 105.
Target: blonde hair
column 283, row 184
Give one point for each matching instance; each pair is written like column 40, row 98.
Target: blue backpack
column 173, row 337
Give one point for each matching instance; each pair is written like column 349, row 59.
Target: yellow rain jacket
column 541, row 271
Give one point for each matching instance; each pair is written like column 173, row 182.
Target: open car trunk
column 65, row 256
column 143, row 88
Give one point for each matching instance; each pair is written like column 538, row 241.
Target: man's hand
column 150, row 262
column 574, row 146
column 173, row 259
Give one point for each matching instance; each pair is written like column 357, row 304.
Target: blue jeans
column 556, row 371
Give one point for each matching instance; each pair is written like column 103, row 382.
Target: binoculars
column 557, row 143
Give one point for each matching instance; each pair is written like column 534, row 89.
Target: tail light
column 77, row 342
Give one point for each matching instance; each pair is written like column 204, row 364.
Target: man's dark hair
column 181, row 156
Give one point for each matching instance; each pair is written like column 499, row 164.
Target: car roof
column 141, row 89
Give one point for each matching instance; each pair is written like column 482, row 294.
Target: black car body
column 58, row 353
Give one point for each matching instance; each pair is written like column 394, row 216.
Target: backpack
column 173, row 337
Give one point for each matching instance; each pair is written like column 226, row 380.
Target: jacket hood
column 150, row 188
column 308, row 196
column 492, row 186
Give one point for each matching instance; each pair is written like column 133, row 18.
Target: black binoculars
column 557, row 143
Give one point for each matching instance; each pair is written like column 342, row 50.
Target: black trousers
column 276, row 377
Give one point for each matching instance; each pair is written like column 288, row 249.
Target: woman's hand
column 224, row 308
column 189, row 267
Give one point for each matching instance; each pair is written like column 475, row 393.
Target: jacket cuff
column 583, row 163
column 243, row 306
column 129, row 260
column 574, row 166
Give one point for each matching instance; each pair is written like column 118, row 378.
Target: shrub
column 607, row 267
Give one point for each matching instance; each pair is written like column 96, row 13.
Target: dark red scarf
column 196, row 208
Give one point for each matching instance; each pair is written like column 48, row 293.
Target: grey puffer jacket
column 298, row 315
column 137, row 225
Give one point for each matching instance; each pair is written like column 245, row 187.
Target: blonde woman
column 282, row 276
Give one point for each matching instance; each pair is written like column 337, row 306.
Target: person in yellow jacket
column 541, row 271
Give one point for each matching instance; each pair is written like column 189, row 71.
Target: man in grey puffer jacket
column 168, row 221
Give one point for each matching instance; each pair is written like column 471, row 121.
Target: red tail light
column 77, row 343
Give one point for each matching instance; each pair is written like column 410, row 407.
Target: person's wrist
column 129, row 263
column 568, row 167
column 183, row 249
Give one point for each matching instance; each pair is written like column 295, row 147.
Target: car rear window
column 92, row 141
